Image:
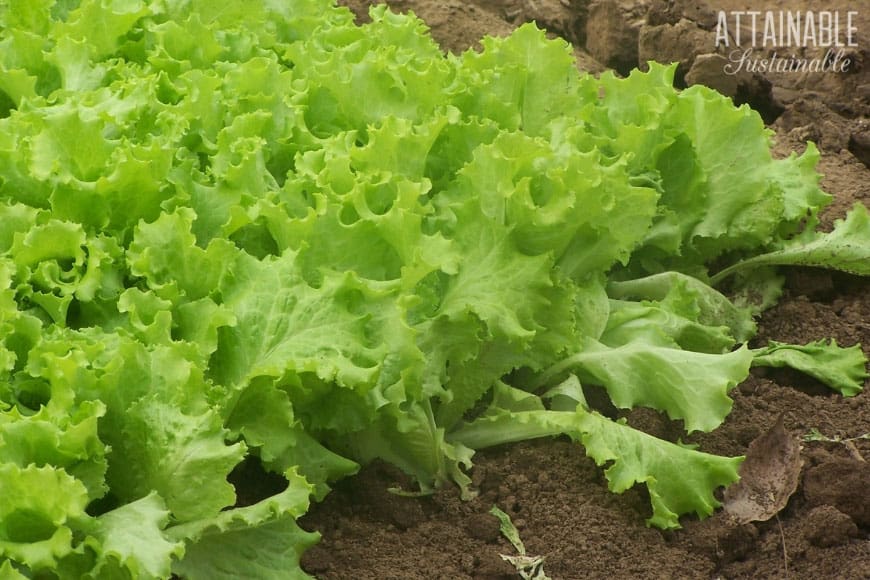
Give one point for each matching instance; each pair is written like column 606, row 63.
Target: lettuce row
column 263, row 231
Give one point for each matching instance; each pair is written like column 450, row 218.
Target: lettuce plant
column 259, row 230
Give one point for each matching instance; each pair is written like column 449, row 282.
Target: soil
column 557, row 497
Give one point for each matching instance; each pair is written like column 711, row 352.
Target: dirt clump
column 826, row 526
column 839, row 483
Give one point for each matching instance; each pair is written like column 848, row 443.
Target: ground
column 556, row 497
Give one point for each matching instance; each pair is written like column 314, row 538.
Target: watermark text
column 786, row 28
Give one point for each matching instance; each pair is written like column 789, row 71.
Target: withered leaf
column 768, row 477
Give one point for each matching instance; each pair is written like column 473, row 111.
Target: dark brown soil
column 558, row 498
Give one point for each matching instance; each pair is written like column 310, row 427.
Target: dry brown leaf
column 768, row 477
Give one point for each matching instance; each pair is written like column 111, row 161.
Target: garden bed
column 468, row 315
column 555, row 495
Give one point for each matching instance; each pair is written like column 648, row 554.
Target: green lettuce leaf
column 63, row 438
column 846, row 248
column 679, row 479
column 686, row 385
column 842, row 369
column 710, row 306
column 264, row 416
column 261, row 540
column 181, row 456
column 39, row 508
column 501, row 86
column 131, row 540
